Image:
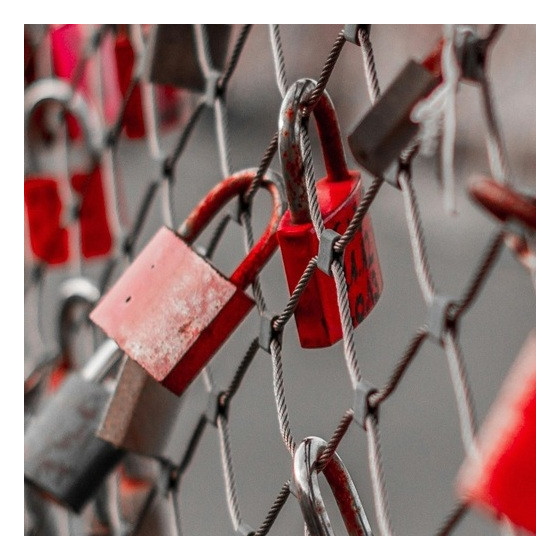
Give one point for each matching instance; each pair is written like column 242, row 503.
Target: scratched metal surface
column 420, row 442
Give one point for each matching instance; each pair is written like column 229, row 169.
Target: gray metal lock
column 386, row 129
column 74, row 293
column 140, row 414
column 63, row 457
column 172, row 57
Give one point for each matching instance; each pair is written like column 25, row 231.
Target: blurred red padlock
column 167, row 97
column 503, row 202
column 500, row 474
column 172, row 310
column 67, row 44
column 49, row 239
column 317, row 314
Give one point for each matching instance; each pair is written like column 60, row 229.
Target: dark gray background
column 420, row 440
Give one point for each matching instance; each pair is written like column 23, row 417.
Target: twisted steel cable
column 280, row 397
column 369, row 65
column 377, row 478
column 278, row 55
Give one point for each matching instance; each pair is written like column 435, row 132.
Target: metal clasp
column 306, row 488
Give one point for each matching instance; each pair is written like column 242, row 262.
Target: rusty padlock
column 499, row 475
column 172, row 310
column 63, row 457
column 317, row 315
column 172, row 57
column 49, row 238
column 387, row 129
column 140, row 414
column 308, row 493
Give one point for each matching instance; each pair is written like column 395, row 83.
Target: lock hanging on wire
column 173, row 59
column 172, row 310
column 63, row 458
column 339, row 193
column 387, row 129
column 499, row 475
column 141, row 413
column 49, row 236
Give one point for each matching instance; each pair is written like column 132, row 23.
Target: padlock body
column 141, row 413
column 317, row 315
column 47, row 239
column 173, row 59
column 171, row 311
column 386, row 129
column 95, row 233
column 501, row 476
column 63, row 457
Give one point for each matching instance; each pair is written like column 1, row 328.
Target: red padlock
column 317, row 314
column 172, row 310
column 67, row 44
column 500, row 474
column 49, row 239
column 167, row 97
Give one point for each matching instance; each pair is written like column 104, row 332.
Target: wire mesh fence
column 365, row 411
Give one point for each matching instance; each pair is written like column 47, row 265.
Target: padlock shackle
column 307, row 490
column 101, row 362
column 215, row 200
column 290, row 123
column 74, row 292
column 72, row 101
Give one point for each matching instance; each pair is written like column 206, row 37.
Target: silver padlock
column 74, row 293
column 306, row 487
column 62, row 456
column 172, row 57
column 141, row 413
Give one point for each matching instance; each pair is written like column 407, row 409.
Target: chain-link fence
column 423, row 339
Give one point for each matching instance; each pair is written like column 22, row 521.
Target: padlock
column 503, row 202
column 172, row 57
column 171, row 310
column 167, row 98
column 140, row 414
column 63, row 457
column 317, row 315
column 499, row 475
column 67, row 43
column 58, row 360
column 75, row 293
column 387, row 129
column 308, row 493
column 48, row 237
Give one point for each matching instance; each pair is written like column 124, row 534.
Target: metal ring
column 53, row 89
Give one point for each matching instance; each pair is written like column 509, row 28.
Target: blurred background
column 420, row 438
